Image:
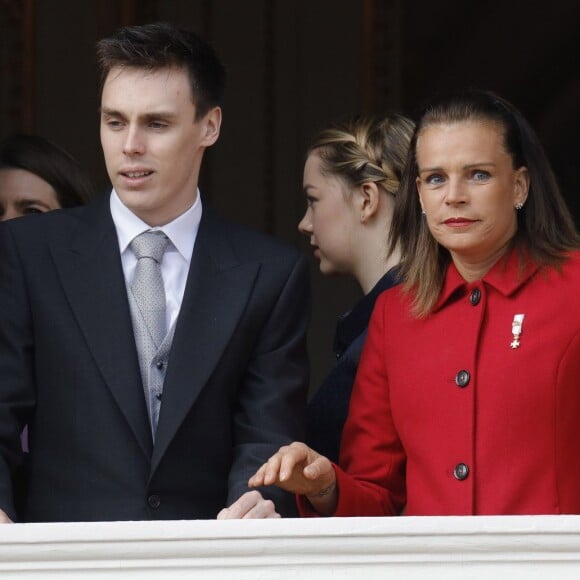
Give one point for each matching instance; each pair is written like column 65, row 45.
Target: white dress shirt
column 182, row 233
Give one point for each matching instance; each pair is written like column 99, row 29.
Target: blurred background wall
column 293, row 66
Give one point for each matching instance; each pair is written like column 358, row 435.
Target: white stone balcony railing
column 497, row 548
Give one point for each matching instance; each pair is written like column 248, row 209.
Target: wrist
column 325, row 491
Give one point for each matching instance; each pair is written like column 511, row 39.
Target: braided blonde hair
column 366, row 149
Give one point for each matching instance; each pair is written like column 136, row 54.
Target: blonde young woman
column 351, row 177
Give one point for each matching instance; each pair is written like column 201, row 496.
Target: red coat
column 447, row 418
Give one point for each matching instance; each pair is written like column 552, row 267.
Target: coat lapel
column 92, row 277
column 217, row 291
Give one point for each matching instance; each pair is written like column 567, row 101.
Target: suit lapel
column 92, row 277
column 217, row 291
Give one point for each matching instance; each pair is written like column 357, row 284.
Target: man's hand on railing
column 251, row 505
column 4, row 519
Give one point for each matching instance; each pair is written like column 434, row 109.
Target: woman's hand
column 298, row 469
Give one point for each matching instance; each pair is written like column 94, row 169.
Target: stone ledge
column 418, row 547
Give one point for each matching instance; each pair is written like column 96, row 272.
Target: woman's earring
column 519, row 205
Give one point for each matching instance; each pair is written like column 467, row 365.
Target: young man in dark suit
column 154, row 381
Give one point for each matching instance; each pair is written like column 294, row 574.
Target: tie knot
column 150, row 244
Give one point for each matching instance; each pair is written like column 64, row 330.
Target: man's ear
column 369, row 196
column 211, row 125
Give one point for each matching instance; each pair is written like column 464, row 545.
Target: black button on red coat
column 475, row 296
column 461, row 471
column 462, row 378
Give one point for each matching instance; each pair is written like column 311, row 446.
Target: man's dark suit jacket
column 234, row 389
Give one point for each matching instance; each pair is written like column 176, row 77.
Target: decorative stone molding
column 530, row 547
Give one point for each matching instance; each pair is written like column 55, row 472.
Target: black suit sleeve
column 271, row 402
column 16, row 366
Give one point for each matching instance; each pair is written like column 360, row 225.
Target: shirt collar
column 507, row 275
column 182, row 231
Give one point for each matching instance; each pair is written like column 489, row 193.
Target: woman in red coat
column 467, row 399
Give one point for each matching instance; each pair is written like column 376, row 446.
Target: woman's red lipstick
column 458, row 222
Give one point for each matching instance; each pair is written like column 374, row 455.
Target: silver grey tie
column 147, row 285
